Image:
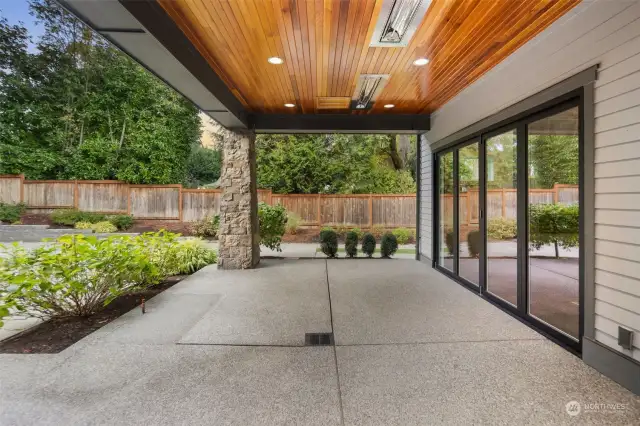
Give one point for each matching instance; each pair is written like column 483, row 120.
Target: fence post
column 504, row 205
column 555, row 193
column 318, row 213
column 22, row 187
column 128, row 199
column 180, row 204
column 76, row 197
column 370, row 212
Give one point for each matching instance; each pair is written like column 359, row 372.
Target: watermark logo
column 573, row 408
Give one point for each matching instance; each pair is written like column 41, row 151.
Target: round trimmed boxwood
column 368, row 244
column 351, row 244
column 473, row 242
column 329, row 242
column 388, row 245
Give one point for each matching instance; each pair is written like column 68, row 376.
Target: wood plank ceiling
column 325, row 47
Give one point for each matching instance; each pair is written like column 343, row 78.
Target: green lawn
column 377, row 251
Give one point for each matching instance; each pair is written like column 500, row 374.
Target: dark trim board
column 520, row 109
column 159, row 24
column 588, row 200
column 418, row 192
column 617, row 366
column 563, row 101
column 340, row 123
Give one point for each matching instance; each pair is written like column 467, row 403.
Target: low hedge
column 78, row 275
column 11, row 213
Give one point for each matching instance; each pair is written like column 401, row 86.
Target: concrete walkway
column 227, row 347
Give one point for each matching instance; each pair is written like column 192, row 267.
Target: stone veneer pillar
column 239, row 236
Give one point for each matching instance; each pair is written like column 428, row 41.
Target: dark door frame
column 574, row 98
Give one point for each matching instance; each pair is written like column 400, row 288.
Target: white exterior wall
column 426, row 194
column 595, row 32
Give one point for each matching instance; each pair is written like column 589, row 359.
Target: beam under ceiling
column 143, row 30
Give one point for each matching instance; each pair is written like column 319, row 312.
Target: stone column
column 239, row 236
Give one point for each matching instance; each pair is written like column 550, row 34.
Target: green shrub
column 104, row 227
column 403, row 235
column 388, row 245
column 84, row 225
column 502, row 229
column 69, row 217
column 77, row 275
column 351, row 244
column 368, row 244
column 329, row 242
column 327, row 228
column 273, row 220
column 450, row 241
column 358, row 232
column 473, row 243
column 293, row 223
column 206, row 227
column 121, row 221
column 193, row 255
column 10, row 213
column 377, row 231
column 342, row 230
column 554, row 224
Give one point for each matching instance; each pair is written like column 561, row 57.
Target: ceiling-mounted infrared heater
column 367, row 90
column 398, row 21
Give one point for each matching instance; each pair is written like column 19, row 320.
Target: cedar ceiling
column 325, row 47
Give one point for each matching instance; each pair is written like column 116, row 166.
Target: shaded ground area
column 553, row 283
column 225, row 347
column 553, row 287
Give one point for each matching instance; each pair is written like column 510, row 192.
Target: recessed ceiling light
column 289, row 105
column 389, row 106
column 275, row 60
column 421, row 61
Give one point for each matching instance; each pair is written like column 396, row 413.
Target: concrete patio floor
column 227, row 347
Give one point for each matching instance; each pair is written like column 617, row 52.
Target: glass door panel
column 469, row 213
column 446, row 236
column 501, row 214
column 553, row 221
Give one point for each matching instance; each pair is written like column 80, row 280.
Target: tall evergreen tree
column 77, row 108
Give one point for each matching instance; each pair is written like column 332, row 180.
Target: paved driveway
column 227, row 347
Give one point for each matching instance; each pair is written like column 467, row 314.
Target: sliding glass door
column 501, row 226
column 553, row 221
column 469, row 213
column 446, row 249
column 508, row 220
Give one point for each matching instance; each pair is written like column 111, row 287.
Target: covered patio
column 228, row 347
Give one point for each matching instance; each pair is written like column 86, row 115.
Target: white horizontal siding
column 426, row 198
column 606, row 216
column 595, row 32
column 618, row 136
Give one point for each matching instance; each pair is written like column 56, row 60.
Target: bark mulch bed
column 53, row 336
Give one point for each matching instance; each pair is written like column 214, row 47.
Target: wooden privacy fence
column 173, row 202
column 503, row 202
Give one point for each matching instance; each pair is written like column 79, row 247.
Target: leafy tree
column 553, row 159
column 554, row 224
column 350, row 164
column 203, row 166
column 77, row 108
